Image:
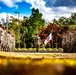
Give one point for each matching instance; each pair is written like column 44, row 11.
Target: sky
column 49, row 8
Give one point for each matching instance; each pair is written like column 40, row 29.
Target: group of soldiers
column 69, row 41
column 7, row 39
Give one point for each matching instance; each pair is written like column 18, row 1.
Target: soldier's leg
column 37, row 49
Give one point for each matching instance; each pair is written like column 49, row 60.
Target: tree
column 13, row 26
column 73, row 18
column 33, row 24
column 55, row 21
column 62, row 21
column 57, row 32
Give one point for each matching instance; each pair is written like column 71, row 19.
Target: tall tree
column 73, row 18
column 13, row 26
column 33, row 24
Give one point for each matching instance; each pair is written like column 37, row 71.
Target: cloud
column 10, row 3
column 63, row 11
column 46, row 7
column 49, row 13
column 4, row 15
column 58, row 3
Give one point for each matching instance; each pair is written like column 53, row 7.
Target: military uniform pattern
column 7, row 40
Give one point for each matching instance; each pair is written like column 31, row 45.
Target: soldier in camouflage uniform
column 0, row 36
column 7, row 40
column 69, row 41
column 37, row 42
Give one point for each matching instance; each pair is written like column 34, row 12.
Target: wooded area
column 35, row 24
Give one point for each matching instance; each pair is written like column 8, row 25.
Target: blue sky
column 49, row 8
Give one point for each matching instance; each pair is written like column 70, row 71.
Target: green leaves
column 33, row 24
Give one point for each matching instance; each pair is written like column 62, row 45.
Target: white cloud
column 50, row 13
column 18, row 0
column 46, row 11
column 4, row 15
column 51, row 1
column 10, row 3
column 63, row 11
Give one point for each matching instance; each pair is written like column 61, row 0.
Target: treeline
column 26, row 29
column 66, row 21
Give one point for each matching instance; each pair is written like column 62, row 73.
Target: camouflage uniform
column 37, row 42
column 0, row 37
column 7, row 40
column 69, row 41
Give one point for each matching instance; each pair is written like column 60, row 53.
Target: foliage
column 36, row 24
column 33, row 24
column 57, row 33
column 66, row 21
column 14, row 26
column 25, row 29
column 71, row 27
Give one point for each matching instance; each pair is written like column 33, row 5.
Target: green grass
column 72, row 26
column 45, row 49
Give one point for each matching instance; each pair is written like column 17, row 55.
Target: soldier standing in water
column 37, row 42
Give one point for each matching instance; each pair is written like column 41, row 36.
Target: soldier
column 69, row 41
column 0, row 36
column 37, row 42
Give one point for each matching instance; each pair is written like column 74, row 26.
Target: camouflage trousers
column 37, row 47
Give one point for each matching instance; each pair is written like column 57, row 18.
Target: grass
column 45, row 49
column 72, row 26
